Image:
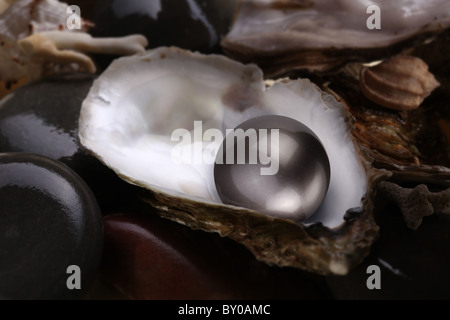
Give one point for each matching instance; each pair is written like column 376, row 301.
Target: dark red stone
column 147, row 257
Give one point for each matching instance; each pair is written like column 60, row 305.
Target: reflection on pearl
column 295, row 190
column 285, row 200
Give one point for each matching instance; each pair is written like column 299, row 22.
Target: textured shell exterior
column 413, row 144
column 399, row 83
column 318, row 36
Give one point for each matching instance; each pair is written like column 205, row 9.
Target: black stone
column 42, row 118
column 49, row 220
column 189, row 24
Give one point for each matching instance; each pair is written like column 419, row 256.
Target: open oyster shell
column 282, row 36
column 133, row 108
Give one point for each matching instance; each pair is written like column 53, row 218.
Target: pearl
column 275, row 165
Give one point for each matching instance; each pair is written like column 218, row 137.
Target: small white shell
column 21, row 19
column 34, row 40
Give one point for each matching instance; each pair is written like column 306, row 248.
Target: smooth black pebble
column 42, row 118
column 49, row 221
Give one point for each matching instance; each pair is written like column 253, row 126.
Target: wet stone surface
column 42, row 118
column 49, row 221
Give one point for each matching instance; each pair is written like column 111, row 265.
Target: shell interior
column 135, row 106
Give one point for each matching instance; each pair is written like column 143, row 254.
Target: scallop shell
column 399, row 83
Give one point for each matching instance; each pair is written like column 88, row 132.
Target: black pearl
column 290, row 176
column 50, row 223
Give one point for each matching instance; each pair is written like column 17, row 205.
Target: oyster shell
column 133, row 108
column 415, row 144
column 282, row 36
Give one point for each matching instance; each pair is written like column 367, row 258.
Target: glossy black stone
column 42, row 118
column 189, row 24
column 49, row 220
column 290, row 183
